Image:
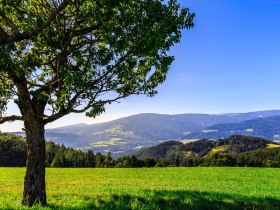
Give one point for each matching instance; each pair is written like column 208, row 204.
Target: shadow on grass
column 175, row 200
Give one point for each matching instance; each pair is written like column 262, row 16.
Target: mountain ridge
column 268, row 127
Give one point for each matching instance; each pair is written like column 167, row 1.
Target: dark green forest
column 234, row 151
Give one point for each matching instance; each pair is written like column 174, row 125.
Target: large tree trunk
column 34, row 182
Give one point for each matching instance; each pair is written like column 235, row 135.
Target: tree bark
column 34, row 182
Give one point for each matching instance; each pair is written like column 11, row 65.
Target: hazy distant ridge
column 268, row 127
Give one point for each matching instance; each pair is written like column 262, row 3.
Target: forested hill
column 235, row 144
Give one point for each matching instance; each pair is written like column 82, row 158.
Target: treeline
column 13, row 151
column 60, row 156
column 264, row 157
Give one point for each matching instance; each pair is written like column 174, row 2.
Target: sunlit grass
column 273, row 146
column 220, row 148
column 150, row 188
column 112, row 141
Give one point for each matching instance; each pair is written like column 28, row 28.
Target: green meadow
column 150, row 188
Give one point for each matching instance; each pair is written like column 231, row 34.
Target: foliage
column 12, row 150
column 219, row 159
column 150, row 188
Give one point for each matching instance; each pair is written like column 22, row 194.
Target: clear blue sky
column 229, row 62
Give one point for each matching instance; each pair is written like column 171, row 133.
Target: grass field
column 150, row 188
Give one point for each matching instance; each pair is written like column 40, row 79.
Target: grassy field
column 150, row 188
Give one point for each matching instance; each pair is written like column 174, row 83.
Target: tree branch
column 85, row 30
column 9, row 22
column 62, row 112
column 52, row 16
column 98, row 102
column 11, row 118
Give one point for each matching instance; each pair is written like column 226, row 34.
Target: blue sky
column 229, row 62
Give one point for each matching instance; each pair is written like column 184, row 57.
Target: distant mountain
column 268, row 127
column 129, row 134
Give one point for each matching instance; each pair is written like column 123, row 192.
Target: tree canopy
column 76, row 56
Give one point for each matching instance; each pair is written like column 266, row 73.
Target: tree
column 108, row 160
column 90, row 159
column 51, row 150
column 73, row 56
column 219, row 159
column 99, row 160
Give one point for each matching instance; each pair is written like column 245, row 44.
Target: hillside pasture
column 150, row 188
